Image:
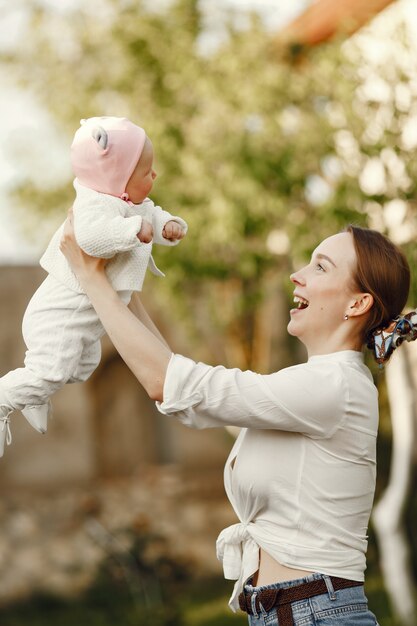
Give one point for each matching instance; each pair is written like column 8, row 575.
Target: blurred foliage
column 202, row 602
column 146, row 586
column 140, row 587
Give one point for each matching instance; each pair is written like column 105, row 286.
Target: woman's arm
column 141, row 313
column 307, row 399
column 310, row 399
column 144, row 352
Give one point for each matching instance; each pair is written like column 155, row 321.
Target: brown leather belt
column 282, row 598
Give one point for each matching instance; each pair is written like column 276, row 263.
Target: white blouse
column 301, row 475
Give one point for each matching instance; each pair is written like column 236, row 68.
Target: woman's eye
column 320, row 267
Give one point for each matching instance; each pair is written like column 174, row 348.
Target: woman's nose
column 154, row 174
column 297, row 278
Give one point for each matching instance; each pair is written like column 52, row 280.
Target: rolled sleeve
column 178, row 388
column 202, row 396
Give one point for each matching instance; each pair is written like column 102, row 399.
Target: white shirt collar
column 341, row 355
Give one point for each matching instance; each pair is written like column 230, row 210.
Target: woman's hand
column 83, row 265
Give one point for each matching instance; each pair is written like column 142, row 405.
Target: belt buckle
column 268, row 599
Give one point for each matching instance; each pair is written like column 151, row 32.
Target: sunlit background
column 274, row 124
column 24, row 117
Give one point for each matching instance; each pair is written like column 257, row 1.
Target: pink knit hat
column 105, row 151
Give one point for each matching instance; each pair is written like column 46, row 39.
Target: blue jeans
column 346, row 607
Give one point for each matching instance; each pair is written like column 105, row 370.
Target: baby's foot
column 5, row 432
column 37, row 416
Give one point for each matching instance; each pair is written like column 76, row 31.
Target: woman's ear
column 361, row 305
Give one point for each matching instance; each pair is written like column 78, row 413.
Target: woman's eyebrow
column 326, row 258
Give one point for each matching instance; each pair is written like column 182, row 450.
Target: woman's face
column 325, row 288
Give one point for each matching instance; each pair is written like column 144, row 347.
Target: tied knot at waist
column 238, row 551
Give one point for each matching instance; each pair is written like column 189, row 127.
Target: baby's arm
column 102, row 233
column 168, row 230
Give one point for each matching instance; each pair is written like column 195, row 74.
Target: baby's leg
column 89, row 360
column 58, row 326
column 91, row 355
column 62, row 334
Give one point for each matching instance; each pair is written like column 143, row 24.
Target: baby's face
column 140, row 183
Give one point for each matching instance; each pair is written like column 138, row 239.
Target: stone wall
column 55, row 541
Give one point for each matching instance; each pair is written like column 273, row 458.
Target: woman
column 301, row 475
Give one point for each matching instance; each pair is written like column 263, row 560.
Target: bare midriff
column 270, row 571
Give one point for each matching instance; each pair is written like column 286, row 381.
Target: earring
column 346, row 317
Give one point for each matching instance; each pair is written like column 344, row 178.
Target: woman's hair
column 383, row 271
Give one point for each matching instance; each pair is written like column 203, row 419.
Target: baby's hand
column 173, row 231
column 145, row 234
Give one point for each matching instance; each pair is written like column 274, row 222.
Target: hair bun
column 383, row 341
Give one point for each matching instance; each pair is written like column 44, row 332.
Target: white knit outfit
column 60, row 326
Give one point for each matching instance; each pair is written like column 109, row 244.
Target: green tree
column 253, row 150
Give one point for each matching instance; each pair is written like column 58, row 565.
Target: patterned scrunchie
column 384, row 341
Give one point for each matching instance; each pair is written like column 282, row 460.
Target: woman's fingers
column 79, row 261
column 71, row 216
column 68, row 244
column 68, row 231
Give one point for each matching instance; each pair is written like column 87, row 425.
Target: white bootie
column 5, row 433
column 37, row 416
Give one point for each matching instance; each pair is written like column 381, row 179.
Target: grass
column 111, row 605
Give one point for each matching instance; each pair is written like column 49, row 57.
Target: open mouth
column 302, row 303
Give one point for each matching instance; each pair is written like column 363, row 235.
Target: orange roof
column 326, row 18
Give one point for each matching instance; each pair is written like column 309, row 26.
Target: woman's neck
column 328, row 347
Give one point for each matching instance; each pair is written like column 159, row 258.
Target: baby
column 112, row 160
